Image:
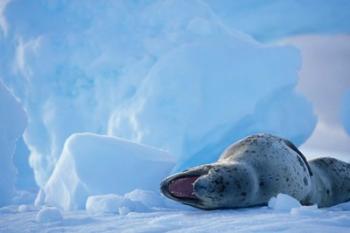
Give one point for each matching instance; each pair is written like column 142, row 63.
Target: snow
column 135, row 201
column 49, row 214
column 283, row 202
column 260, row 219
column 148, row 198
column 12, row 123
column 92, row 164
column 113, row 204
column 25, row 208
column 306, row 211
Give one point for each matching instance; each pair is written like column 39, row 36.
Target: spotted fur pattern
column 259, row 167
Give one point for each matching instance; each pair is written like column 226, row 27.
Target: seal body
column 253, row 170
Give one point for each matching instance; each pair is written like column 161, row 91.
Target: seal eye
column 183, row 187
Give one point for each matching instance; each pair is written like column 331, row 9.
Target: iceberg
column 172, row 74
column 203, row 96
column 12, row 124
column 92, row 165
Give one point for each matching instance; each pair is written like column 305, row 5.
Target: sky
column 324, row 78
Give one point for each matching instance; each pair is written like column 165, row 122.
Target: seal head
column 212, row 186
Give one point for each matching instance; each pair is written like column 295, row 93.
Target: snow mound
column 346, row 112
column 343, row 206
column 283, row 202
column 306, row 211
column 92, row 164
column 12, row 124
column 49, row 214
column 25, row 208
column 148, row 198
column 113, row 204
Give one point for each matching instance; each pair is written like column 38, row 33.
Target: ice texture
column 148, row 198
column 306, row 211
column 12, row 124
column 113, row 204
column 345, row 114
column 271, row 19
column 171, row 74
column 49, row 214
column 25, row 176
column 283, row 202
column 259, row 219
column 92, row 164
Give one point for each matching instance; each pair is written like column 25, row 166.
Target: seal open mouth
column 180, row 187
column 183, row 187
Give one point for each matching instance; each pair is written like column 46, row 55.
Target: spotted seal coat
column 253, row 170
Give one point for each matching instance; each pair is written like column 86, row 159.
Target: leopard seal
column 254, row 169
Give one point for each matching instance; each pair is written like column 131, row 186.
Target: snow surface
column 92, row 164
column 283, row 202
column 49, row 214
column 112, row 204
column 261, row 219
column 12, row 123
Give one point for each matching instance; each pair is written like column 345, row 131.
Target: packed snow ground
column 260, row 219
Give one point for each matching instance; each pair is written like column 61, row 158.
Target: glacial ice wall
column 12, row 124
column 93, row 164
column 178, row 75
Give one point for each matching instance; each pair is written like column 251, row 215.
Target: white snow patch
column 113, row 204
column 49, row 214
column 148, row 198
column 306, row 211
column 283, row 202
column 247, row 220
column 92, row 164
column 25, row 208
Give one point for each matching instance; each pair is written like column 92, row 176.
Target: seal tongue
column 183, row 187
